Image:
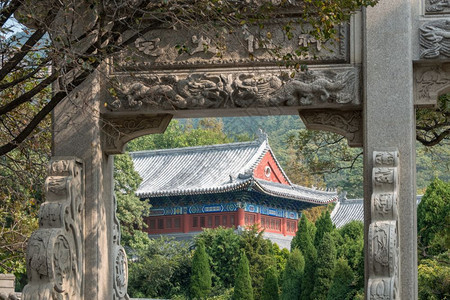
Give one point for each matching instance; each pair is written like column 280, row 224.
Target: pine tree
column 243, row 289
column 293, row 272
column 325, row 267
column 323, row 225
column 341, row 286
column 270, row 289
column 201, row 274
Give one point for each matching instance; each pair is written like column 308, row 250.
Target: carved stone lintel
column 117, row 131
column 346, row 123
column 429, row 83
column 55, row 251
column 434, row 39
column 433, row 7
column 320, row 88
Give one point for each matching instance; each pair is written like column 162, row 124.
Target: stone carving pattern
column 171, row 92
column 383, row 235
column 346, row 123
column 437, row 6
column 118, row 131
column 120, row 272
column 434, row 39
column 428, row 83
column 55, row 250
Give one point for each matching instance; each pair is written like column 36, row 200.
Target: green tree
column 243, row 289
column 434, row 278
column 130, row 209
column 325, row 267
column 304, row 240
column 201, row 274
column 259, row 252
column 293, row 272
column 223, row 247
column 433, row 219
column 270, row 290
column 323, row 225
column 351, row 248
column 341, row 285
column 161, row 269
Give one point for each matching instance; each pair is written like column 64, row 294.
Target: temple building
column 229, row 185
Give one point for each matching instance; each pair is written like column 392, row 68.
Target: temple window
column 195, row 222
column 216, row 221
column 176, row 223
column 202, row 222
column 160, row 223
column 224, row 220
column 169, row 223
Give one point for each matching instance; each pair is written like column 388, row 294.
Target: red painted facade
column 268, row 170
column 195, row 222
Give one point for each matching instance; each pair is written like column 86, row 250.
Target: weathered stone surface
column 435, row 39
column 246, row 46
column 236, row 89
column 346, row 123
column 55, row 252
column 389, row 119
column 430, row 81
column 437, row 7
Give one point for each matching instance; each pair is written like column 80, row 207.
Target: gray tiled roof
column 214, row 169
column 347, row 210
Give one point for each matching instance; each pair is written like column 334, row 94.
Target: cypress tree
column 201, row 275
column 325, row 267
column 323, row 225
column 342, row 280
column 293, row 272
column 243, row 289
column 304, row 241
column 270, row 290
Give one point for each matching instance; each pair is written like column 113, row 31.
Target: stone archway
column 366, row 90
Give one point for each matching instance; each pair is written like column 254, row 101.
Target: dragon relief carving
column 435, row 39
column 54, row 252
column 171, row 92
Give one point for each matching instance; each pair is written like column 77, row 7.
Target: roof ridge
column 192, row 148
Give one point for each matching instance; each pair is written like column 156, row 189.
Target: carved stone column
column 383, row 233
column 55, row 253
column 389, row 125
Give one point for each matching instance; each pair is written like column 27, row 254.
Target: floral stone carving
column 321, row 88
column 120, row 271
column 54, row 252
column 437, row 7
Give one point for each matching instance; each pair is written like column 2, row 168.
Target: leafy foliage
column 434, row 278
column 201, row 275
column 342, row 280
column 432, row 212
column 130, row 209
column 325, row 267
column 270, row 290
column 161, row 269
column 323, row 225
column 223, row 247
column 243, row 289
column 293, row 272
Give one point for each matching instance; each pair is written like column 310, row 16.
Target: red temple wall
column 195, row 222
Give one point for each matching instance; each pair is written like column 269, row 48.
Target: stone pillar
column 389, row 124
